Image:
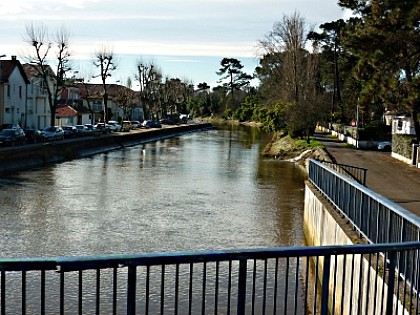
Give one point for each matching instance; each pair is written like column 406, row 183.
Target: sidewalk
column 395, row 180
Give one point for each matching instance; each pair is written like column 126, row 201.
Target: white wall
column 15, row 98
column 323, row 226
column 38, row 109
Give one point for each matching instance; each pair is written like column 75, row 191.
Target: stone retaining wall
column 42, row 154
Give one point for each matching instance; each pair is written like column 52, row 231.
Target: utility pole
column 1, row 91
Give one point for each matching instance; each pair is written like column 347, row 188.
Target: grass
column 286, row 147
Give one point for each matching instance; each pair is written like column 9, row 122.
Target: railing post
column 131, row 290
column 364, row 177
column 391, row 283
column 242, row 287
column 325, row 285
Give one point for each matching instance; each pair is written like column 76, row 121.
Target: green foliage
column 403, row 145
column 376, row 130
column 246, row 110
column 273, row 119
column 384, row 37
column 313, row 144
column 231, row 69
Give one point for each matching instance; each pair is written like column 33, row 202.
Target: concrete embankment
column 42, row 154
column 351, row 286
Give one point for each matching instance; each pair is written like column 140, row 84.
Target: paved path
column 386, row 176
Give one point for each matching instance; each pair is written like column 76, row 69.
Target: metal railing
column 378, row 219
column 375, row 217
column 359, row 174
column 254, row 281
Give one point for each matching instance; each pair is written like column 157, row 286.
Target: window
column 8, row 90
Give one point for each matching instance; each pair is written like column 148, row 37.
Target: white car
column 135, row 124
column 384, row 145
column 114, row 125
column 52, row 133
column 82, row 130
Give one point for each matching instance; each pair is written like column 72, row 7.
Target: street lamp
column 1, row 89
column 1, row 56
column 357, row 124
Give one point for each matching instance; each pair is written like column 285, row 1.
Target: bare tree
column 299, row 73
column 126, row 99
column 149, row 77
column 105, row 61
column 37, row 37
column 287, row 42
column 82, row 80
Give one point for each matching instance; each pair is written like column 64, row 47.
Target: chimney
column 13, row 57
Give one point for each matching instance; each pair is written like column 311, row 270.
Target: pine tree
column 385, row 36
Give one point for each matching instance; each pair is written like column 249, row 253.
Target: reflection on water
column 204, row 190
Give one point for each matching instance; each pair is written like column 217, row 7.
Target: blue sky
column 185, row 38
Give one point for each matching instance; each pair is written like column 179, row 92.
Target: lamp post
column 357, row 125
column 1, row 91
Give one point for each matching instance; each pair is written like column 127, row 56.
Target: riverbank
column 38, row 155
column 282, row 147
column 295, row 150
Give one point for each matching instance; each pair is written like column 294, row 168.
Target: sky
column 186, row 39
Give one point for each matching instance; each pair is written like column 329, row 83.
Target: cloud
column 182, row 60
column 8, row 10
column 182, row 30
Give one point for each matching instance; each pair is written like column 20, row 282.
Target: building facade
column 13, row 92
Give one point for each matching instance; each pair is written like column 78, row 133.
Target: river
column 203, row 190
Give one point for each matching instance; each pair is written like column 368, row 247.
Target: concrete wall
column 38, row 155
column 362, row 287
column 360, row 144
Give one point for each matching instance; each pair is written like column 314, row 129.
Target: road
column 395, row 180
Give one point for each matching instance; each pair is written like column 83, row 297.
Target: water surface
column 202, row 190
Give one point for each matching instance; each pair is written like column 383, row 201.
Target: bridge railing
column 254, row 281
column 375, row 217
column 357, row 173
column 378, row 219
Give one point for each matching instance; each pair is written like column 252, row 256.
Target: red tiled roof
column 31, row 70
column 95, row 91
column 65, row 111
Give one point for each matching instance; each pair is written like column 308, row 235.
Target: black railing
column 254, row 281
column 359, row 174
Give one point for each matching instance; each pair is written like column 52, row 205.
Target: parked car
column 33, row 135
column 151, row 124
column 114, row 125
column 135, row 124
column 92, row 131
column 10, row 126
column 168, row 121
column 384, row 145
column 102, row 128
column 69, row 131
column 82, row 130
column 11, row 137
column 52, row 133
column 126, row 125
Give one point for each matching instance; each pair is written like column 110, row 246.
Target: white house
column 38, row 107
column 13, row 91
column 403, row 125
column 94, row 92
